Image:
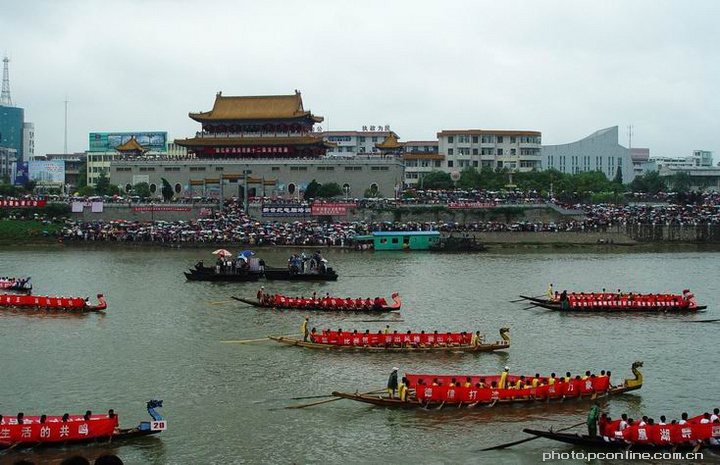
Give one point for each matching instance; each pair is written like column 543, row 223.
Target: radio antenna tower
column 5, row 98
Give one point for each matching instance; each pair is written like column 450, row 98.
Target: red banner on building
column 331, row 209
column 22, row 203
column 460, row 206
column 160, row 208
column 56, row 430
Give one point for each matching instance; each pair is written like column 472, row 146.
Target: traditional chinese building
column 132, row 148
column 272, row 126
column 391, row 146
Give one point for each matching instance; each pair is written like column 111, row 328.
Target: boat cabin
column 404, row 240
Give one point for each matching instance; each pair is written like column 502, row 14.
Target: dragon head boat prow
column 638, row 380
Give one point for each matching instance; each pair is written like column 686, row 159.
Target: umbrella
column 221, row 252
column 247, row 253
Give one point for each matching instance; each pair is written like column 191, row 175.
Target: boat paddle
column 219, row 302
column 514, row 443
column 249, row 341
column 525, row 298
column 374, row 391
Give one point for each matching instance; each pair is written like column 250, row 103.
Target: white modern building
column 421, row 158
column 600, row 151
column 8, row 157
column 352, row 143
column 496, row 149
column 699, row 159
column 28, row 141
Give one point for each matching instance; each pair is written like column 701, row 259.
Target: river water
column 161, row 339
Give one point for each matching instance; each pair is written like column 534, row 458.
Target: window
column 463, row 139
column 326, row 168
column 353, row 168
column 219, row 168
column 178, row 188
column 153, row 188
column 124, row 169
column 512, row 139
column 395, row 240
column 475, row 163
column 500, row 151
column 464, row 151
column 487, row 139
column 374, row 139
column 379, row 168
column 173, row 168
column 451, row 151
column 513, row 151
column 291, row 188
column 474, row 139
column 451, row 140
column 197, row 168
column 298, row 168
column 275, row 168
column 411, row 163
column 500, row 139
column 383, row 240
column 450, row 163
column 437, row 164
column 488, row 151
column 475, row 151
column 147, row 168
column 361, row 139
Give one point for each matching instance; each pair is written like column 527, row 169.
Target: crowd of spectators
column 233, row 225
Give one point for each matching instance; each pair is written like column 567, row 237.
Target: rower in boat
column 392, row 383
column 304, row 328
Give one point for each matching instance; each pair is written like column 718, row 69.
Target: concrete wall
column 114, row 212
column 359, row 174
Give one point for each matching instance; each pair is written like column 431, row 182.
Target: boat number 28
column 158, row 425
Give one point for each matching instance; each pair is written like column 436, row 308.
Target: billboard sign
column 331, row 209
column 21, row 173
column 107, row 141
column 285, row 209
column 47, row 171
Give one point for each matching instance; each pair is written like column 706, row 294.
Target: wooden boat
column 604, row 302
column 206, row 273
column 396, row 342
column 19, row 285
column 692, row 435
column 31, row 432
column 284, row 274
column 59, row 304
column 327, row 304
column 422, row 394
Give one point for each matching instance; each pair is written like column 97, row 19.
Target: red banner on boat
column 670, row 434
column 22, row 203
column 56, row 430
column 160, row 208
column 461, row 206
column 485, row 388
column 370, row 339
column 331, row 209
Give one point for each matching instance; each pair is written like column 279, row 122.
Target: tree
column 86, row 191
column 372, row 193
column 102, row 186
column 469, row 178
column 311, row 190
column 167, row 190
column 82, row 175
column 650, row 183
column 141, row 189
column 681, row 182
column 618, row 176
column 437, row 180
column 331, row 189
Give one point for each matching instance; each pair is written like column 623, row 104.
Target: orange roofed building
column 269, row 126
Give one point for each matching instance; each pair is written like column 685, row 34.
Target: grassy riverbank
column 22, row 232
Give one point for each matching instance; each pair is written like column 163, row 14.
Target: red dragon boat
column 328, row 304
column 616, row 302
column 436, row 391
column 19, row 285
column 698, row 432
column 41, row 431
column 397, row 342
column 59, row 304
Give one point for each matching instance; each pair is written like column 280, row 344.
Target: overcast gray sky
column 566, row 68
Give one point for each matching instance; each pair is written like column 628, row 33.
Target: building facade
column 8, row 158
column 478, row 148
column 599, row 151
column 12, row 120
column 421, row 158
column 282, row 177
column 28, row 140
column 73, row 162
column 349, row 144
